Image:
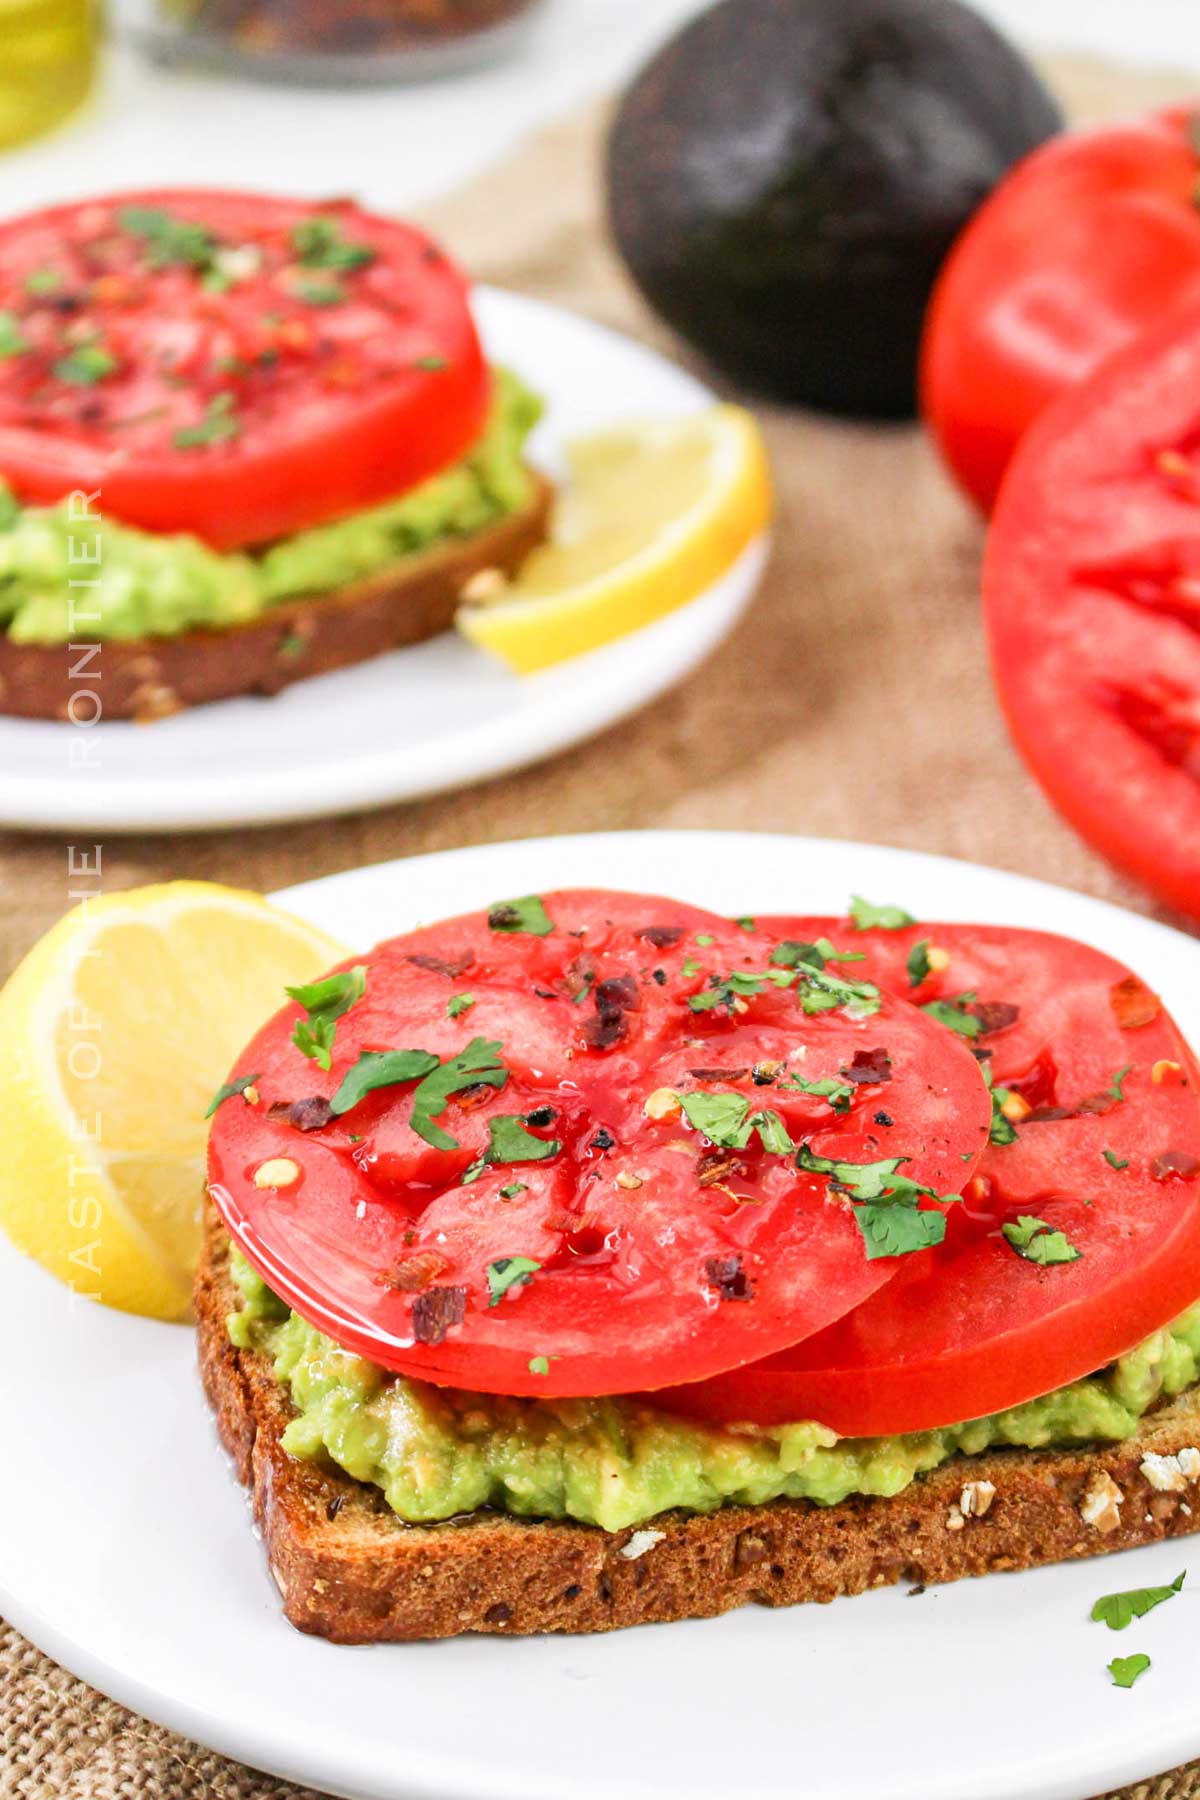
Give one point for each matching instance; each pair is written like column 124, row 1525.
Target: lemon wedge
column 654, row 512
column 115, row 1033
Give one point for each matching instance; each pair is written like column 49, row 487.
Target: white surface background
column 398, row 146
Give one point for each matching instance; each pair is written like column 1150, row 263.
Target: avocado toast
column 723, row 1353
column 242, row 440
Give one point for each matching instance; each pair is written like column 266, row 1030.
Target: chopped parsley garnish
column 431, row 363
column 319, row 293
column 227, row 1091
column 219, row 424
column 526, row 914
column 954, row 1015
column 790, row 954
column 886, row 1207
column 1114, row 1161
column 1039, row 1243
column 705, row 938
column 1002, row 1130
column 747, row 923
column 865, row 917
column 477, row 1065
column 509, row 1142
column 509, row 1272
column 43, row 281
column 12, row 342
column 513, row 1189
column 865, row 1181
column 379, row 1069
column 539, row 1365
column 169, row 241
column 459, row 1004
column 918, row 964
column 772, row 1132
column 822, row 992
column 325, row 1002
column 85, row 365
column 583, row 990
column 838, row 1093
column 319, row 244
column 727, row 1120
column 1126, row 1669
column 689, row 967
column 898, row 1230
column 723, row 992
column 1119, row 1610
column 1116, row 1087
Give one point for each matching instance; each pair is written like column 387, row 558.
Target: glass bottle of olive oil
column 47, row 62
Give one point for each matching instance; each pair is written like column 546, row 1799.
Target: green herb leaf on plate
column 1119, row 1610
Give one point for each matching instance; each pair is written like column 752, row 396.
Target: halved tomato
column 619, row 1143
column 1091, row 239
column 229, row 364
column 1092, row 596
column 1078, row 1236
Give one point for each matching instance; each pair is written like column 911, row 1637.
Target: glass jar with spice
column 337, row 40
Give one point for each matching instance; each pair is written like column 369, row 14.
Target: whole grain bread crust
column 150, row 678
column 348, row 1569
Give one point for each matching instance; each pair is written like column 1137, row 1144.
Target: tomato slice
column 1092, row 597
column 228, row 364
column 575, row 1227
column 973, row 1327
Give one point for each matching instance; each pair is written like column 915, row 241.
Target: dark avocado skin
column 785, row 178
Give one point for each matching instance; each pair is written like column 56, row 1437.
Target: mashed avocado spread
column 436, row 1452
column 152, row 585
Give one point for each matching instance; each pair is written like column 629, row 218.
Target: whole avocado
column 785, row 178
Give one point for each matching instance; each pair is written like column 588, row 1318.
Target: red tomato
column 1092, row 598
column 973, row 1327
column 1092, row 238
column 229, row 364
column 649, row 1245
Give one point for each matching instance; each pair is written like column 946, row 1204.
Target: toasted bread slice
column 149, row 678
column 348, row 1569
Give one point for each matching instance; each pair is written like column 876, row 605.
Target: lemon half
column 115, row 1032
column 653, row 514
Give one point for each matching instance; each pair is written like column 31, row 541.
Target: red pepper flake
column 727, row 1275
column 305, row 1115
column 438, row 965
column 1175, row 1165
column 718, row 1165
column 605, row 1030
column 618, row 994
column 993, row 1015
column 414, row 1273
column 613, row 998
column 868, row 1066
column 1133, row 1003
column 1091, row 1106
column 435, row 1311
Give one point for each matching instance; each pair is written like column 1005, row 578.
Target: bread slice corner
column 349, row 1570
column 152, row 677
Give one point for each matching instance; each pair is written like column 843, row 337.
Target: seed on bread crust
column 1101, row 1504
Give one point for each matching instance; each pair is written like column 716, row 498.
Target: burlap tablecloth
column 853, row 701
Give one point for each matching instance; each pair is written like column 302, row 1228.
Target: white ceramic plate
column 126, row 1550
column 416, row 721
